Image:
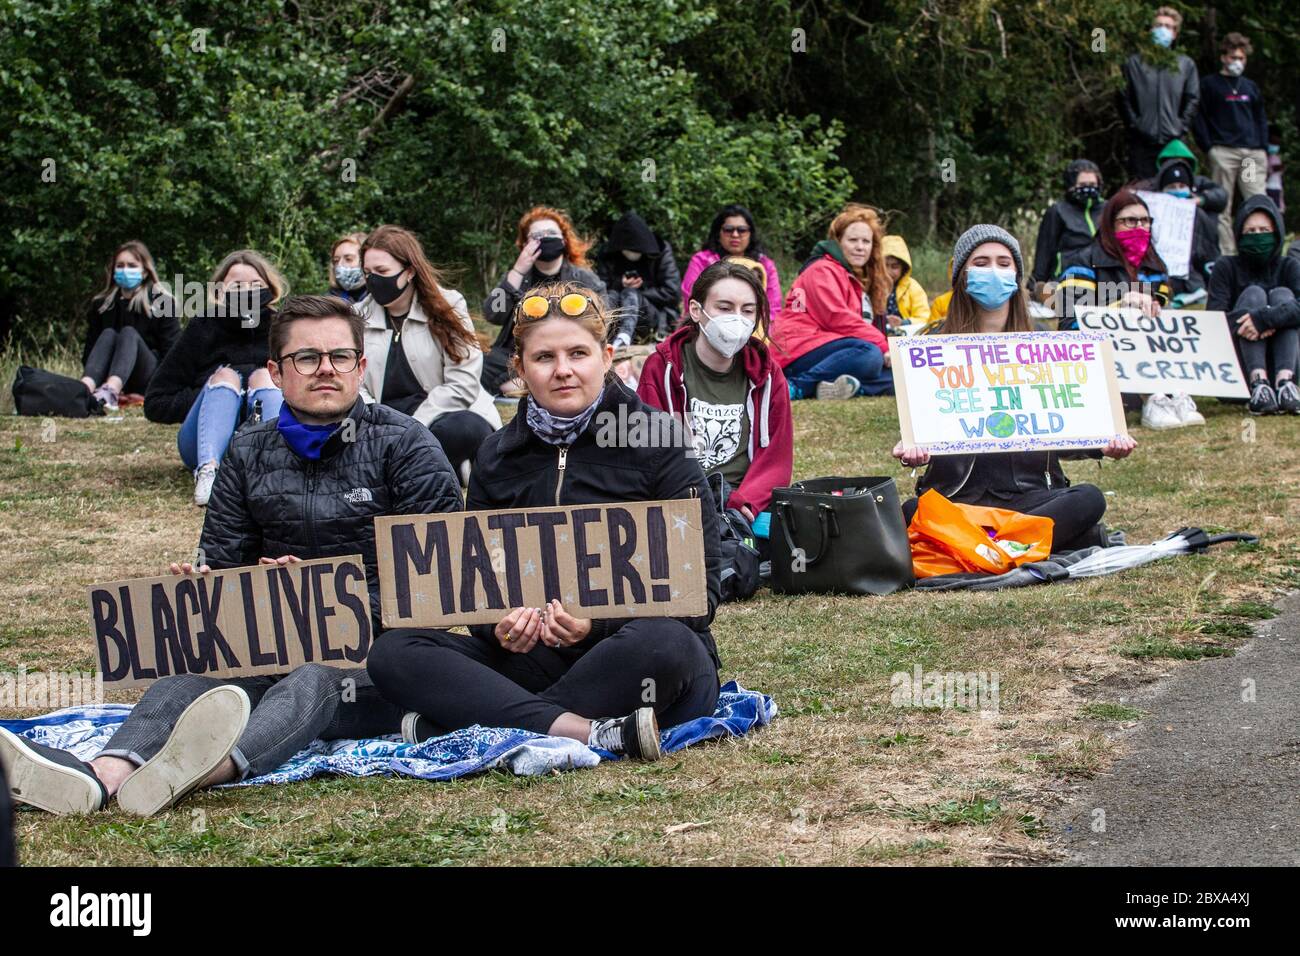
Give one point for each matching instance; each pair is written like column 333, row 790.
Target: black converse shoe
column 1288, row 397
column 1263, row 400
column 635, row 736
column 416, row 728
column 50, row 779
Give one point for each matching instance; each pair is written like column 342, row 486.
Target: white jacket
column 452, row 386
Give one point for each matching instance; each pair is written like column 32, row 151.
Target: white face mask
column 632, row 255
column 1236, row 67
column 727, row 333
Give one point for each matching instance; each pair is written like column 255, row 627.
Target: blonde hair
column 259, row 264
column 596, row 318
column 137, row 298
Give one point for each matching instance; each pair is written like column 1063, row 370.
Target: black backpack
column 38, row 392
column 740, row 561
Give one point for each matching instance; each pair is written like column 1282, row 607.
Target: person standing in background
column 1160, row 96
column 1232, row 128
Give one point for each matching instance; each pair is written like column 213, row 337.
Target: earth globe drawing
column 1001, row 425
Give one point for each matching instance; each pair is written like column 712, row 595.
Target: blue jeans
column 855, row 357
column 213, row 418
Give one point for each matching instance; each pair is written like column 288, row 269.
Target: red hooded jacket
column 771, row 428
column 824, row 304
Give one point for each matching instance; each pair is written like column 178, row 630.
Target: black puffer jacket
column 1232, row 274
column 208, row 342
column 268, row 501
column 516, row 469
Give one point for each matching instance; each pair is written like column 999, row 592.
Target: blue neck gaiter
column 306, row 440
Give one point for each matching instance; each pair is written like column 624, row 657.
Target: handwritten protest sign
column 641, row 558
column 1173, row 352
column 240, row 622
column 1172, row 222
column 1008, row 391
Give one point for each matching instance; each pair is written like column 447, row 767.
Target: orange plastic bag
column 949, row 538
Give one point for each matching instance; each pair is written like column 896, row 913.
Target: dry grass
column 840, row 777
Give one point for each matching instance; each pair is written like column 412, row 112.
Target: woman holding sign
column 545, row 669
column 988, row 296
column 1122, row 268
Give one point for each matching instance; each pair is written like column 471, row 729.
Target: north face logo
column 358, row 495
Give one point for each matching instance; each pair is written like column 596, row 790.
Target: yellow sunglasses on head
column 572, row 304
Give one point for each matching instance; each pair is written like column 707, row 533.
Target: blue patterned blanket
column 85, row 731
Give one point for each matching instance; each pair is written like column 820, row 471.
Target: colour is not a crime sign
column 618, row 560
column 1009, row 391
column 1175, row 351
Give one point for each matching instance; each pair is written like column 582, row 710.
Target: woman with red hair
column 550, row 250
column 830, row 338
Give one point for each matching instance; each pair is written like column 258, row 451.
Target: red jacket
column 824, row 304
column 771, row 429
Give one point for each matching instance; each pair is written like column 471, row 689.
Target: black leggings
column 456, row 680
column 1075, row 511
column 460, row 434
column 1283, row 346
column 121, row 352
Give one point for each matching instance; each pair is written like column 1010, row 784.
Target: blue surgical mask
column 1180, row 193
column 128, row 278
column 991, row 287
column 1163, row 36
column 349, row 277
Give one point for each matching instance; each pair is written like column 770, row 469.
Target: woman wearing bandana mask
column 548, row 669
column 550, row 250
column 723, row 383
column 1259, row 289
column 1122, row 268
column 215, row 375
column 1070, row 224
column 987, row 297
column 347, row 281
column 131, row 324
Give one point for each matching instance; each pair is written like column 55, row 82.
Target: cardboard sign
column 1172, row 223
column 1173, row 352
column 634, row 559
column 240, row 622
column 1009, row 391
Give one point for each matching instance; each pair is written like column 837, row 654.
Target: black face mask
column 247, row 304
column 552, row 247
column 384, row 289
column 1082, row 194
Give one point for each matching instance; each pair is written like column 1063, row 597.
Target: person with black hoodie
column 545, row 669
column 131, row 325
column 1259, row 289
column 215, row 376
column 1070, row 223
column 643, row 282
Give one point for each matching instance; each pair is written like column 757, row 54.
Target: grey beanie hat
column 985, row 232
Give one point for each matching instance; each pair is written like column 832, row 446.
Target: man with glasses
column 307, row 484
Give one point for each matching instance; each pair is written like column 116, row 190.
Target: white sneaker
column 1158, row 412
column 1185, row 408
column 204, row 476
column 846, row 386
column 205, row 734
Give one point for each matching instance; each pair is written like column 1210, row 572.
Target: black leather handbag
column 38, row 392
column 839, row 535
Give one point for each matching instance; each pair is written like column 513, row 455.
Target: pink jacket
column 705, row 258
